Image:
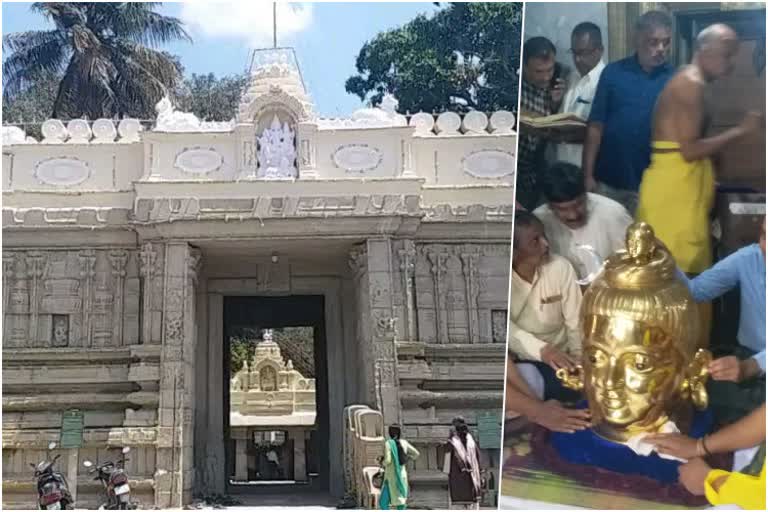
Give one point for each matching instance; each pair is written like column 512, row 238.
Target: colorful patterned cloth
column 534, row 471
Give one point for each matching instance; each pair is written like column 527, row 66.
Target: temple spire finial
column 274, row 24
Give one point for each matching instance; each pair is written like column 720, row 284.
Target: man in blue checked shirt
column 738, row 380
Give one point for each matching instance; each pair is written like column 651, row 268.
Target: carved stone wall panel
column 489, row 164
column 425, row 292
column 62, row 172
column 458, row 330
column 485, row 325
column 454, row 283
column 427, row 320
column 357, row 158
column 61, row 296
column 15, row 330
column 499, row 326
column 492, row 290
column 380, row 290
column 198, row 161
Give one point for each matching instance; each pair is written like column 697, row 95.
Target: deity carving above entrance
column 277, row 151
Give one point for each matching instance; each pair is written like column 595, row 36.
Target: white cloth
column 637, row 445
column 545, row 311
column 742, row 458
column 532, row 376
column 605, row 230
column 578, row 100
column 468, row 458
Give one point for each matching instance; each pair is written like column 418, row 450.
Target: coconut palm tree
column 103, row 53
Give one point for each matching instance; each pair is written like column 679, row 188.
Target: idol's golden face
column 630, row 371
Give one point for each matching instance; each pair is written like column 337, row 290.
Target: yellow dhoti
column 675, row 199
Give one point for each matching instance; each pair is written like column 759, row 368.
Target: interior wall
column 556, row 20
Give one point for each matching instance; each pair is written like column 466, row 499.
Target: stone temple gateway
column 125, row 250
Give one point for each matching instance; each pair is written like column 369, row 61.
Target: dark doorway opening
column 268, row 404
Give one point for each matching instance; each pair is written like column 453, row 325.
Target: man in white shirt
column 573, row 217
column 544, row 305
column 587, row 52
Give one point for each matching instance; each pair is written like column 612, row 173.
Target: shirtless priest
column 677, row 190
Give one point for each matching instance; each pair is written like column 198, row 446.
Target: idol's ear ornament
column 571, row 379
column 694, row 386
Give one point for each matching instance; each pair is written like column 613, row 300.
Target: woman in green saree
column 397, row 453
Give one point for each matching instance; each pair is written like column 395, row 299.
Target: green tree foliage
column 102, row 51
column 240, row 353
column 211, row 98
column 33, row 105
column 465, row 57
column 208, row 97
column 296, row 344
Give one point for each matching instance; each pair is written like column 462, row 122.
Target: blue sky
column 326, row 36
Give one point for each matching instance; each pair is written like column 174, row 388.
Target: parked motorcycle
column 52, row 489
column 114, row 479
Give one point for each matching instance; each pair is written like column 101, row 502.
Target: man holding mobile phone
column 541, row 94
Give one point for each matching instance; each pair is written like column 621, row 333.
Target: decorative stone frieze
column 177, row 209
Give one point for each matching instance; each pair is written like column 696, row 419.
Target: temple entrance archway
column 275, row 392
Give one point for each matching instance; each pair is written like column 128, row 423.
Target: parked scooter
column 52, row 489
column 115, row 482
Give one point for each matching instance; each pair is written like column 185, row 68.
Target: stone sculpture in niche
column 277, row 151
column 60, row 335
column 268, row 379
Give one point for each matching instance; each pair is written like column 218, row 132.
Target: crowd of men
column 643, row 156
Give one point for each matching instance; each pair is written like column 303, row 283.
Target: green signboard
column 489, row 430
column 71, row 429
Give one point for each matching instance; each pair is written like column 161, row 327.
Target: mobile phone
column 556, row 75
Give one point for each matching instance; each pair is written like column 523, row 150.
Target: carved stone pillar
column 246, row 156
column 469, row 267
column 148, row 272
column 117, row 260
column 241, row 460
column 358, row 264
column 35, row 269
column 407, row 270
column 299, row 456
column 175, row 465
column 87, row 272
column 406, row 157
column 380, row 274
column 307, row 149
column 438, row 267
column 373, row 272
column 8, row 267
column 8, row 275
column 16, row 325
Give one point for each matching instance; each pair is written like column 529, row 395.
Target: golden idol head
column 641, row 357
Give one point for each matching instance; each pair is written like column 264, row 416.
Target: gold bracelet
column 704, row 446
